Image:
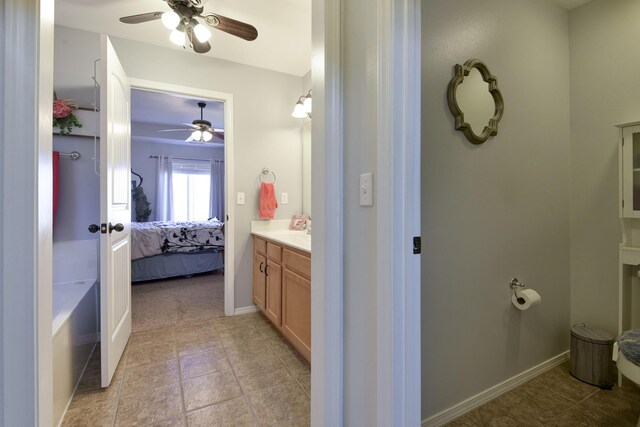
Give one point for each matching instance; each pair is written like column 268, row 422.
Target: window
column 191, row 190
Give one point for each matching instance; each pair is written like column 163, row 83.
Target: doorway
column 226, row 102
column 179, row 185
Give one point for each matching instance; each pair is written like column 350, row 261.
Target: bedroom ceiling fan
column 201, row 130
column 187, row 30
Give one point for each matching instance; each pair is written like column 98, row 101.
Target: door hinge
column 417, row 245
column 623, row 142
column 623, row 203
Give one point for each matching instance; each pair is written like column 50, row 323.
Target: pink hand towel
column 268, row 203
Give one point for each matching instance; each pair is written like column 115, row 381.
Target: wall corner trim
column 481, row 398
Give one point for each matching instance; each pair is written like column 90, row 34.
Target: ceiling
column 284, row 28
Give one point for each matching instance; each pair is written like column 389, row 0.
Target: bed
column 161, row 249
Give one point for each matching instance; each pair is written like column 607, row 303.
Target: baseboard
column 245, row 310
column 463, row 407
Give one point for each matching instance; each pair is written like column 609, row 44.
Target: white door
column 115, row 210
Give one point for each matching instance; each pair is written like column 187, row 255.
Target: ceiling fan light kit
column 186, row 29
column 201, row 130
column 177, row 37
column 170, row 20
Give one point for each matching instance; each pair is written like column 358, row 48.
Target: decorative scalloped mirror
column 475, row 101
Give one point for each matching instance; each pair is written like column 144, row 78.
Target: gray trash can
column 591, row 351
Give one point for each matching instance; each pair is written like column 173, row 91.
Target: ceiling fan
column 201, row 130
column 183, row 23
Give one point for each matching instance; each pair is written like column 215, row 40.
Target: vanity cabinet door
column 273, row 305
column 296, row 315
column 259, row 279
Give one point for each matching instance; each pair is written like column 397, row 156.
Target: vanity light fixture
column 302, row 108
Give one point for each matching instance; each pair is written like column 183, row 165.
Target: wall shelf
column 90, row 120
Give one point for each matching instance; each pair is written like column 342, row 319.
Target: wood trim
column 229, row 203
column 327, row 318
column 246, row 310
column 25, row 255
column 398, row 195
column 462, row 408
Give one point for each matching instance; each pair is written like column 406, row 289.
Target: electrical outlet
column 285, row 198
column 240, row 198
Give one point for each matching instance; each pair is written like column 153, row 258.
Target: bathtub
column 75, row 317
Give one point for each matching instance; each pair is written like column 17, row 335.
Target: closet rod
column 184, row 158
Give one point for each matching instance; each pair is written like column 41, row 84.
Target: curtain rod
column 184, row 158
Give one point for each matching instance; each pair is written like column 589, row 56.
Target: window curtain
column 216, row 200
column 164, row 192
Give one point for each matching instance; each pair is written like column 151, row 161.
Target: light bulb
column 202, row 33
column 307, row 104
column 207, row 136
column 298, row 111
column 177, row 37
column 197, row 135
column 170, row 20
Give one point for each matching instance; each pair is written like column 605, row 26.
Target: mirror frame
column 461, row 71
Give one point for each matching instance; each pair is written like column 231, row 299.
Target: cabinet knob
column 266, row 269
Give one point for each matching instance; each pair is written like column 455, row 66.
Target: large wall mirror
column 306, row 169
column 475, row 101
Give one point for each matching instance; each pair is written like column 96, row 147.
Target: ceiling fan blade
column 219, row 135
column 231, row 26
column 189, row 139
column 198, row 46
column 143, row 17
column 175, row 130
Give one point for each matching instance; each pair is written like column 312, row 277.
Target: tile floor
column 224, row 371
column 555, row 398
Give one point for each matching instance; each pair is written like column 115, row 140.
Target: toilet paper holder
column 515, row 285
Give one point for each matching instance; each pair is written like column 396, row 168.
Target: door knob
column 117, row 227
column 94, row 228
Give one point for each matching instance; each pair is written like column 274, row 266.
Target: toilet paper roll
column 526, row 299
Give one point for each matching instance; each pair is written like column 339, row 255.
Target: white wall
column 498, row 210
column 147, row 167
column 265, row 133
column 605, row 58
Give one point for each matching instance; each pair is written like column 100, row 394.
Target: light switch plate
column 240, row 198
column 285, row 198
column 366, row 189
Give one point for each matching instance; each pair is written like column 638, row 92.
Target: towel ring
column 265, row 172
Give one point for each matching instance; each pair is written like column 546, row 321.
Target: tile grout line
column 124, row 373
column 285, row 365
column 573, row 406
column 233, row 369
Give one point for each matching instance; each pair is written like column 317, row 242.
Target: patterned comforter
column 158, row 237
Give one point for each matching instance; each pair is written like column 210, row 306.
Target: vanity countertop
column 278, row 231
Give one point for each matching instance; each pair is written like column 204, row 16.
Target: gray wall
column 265, row 133
column 497, row 210
column 143, row 165
column 79, row 190
column 605, row 58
